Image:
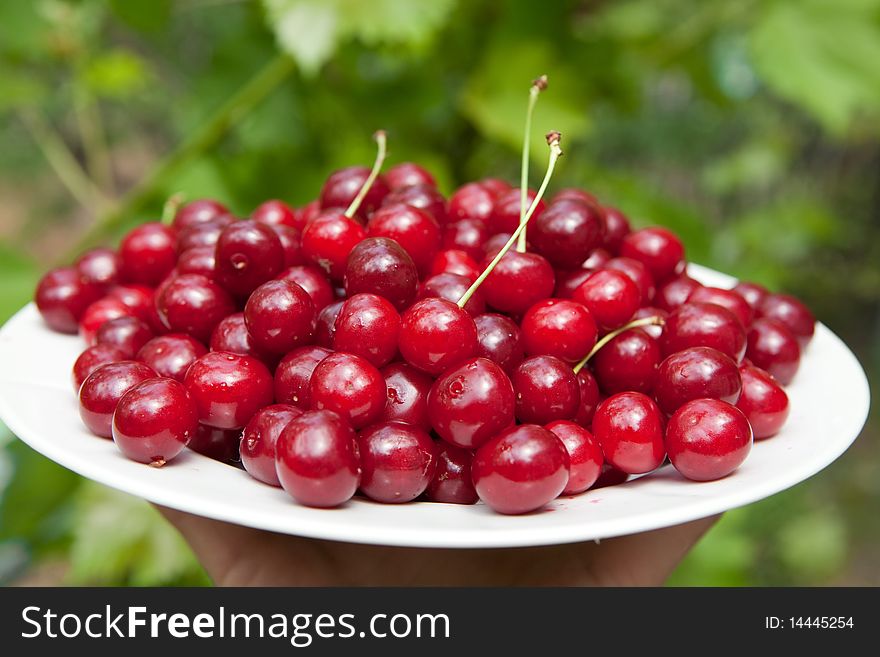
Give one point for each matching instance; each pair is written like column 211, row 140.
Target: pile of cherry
column 344, row 346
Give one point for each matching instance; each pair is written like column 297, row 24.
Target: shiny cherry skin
column 139, row 299
column 617, row 227
column 102, row 390
column 128, row 334
column 707, row 439
column 398, row 461
column 349, row 386
column 597, row 259
column 193, row 304
column 93, row 358
column 368, row 326
column 422, row 197
column 610, row 296
column 154, row 421
column 658, row 249
column 639, row 275
column 675, row 292
column 518, row 282
column 763, row 402
column 792, row 313
column 199, row 211
column 62, row 297
column 257, row 446
column 703, row 325
column 726, row 299
column 201, row 235
column 228, row 388
column 293, row 374
column 309, row 212
column 521, row 469
column 500, row 340
column 452, row 288
column 101, row 311
column 467, row 235
column 379, row 265
column 568, row 281
column 452, row 482
column 436, row 334
column 470, row 201
column 628, row 362
column 231, row 335
column 506, row 211
column 559, row 327
column 696, row 373
column 455, row 261
column 546, row 390
column 495, row 186
column 415, row 230
column 280, row 316
column 753, row 293
column 588, row 398
column 148, row 253
column 575, row 194
column 171, row 355
column 100, row 266
column 343, row 185
column 325, row 324
column 774, row 348
column 494, row 244
column 217, row 444
column 584, row 455
column 313, row 281
column 654, row 330
column 277, row 213
column 247, row 255
column 317, row 461
column 567, row 232
column 198, row 260
column 629, row 427
column 407, row 174
column 291, row 244
column 407, row 399
column 328, row 241
column 471, row 403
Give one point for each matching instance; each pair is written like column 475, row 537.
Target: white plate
column 829, row 400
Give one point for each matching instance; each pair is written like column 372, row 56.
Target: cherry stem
column 555, row 152
column 172, row 205
column 537, row 87
column 380, row 138
column 636, row 323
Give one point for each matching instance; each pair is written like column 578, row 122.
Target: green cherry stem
column 380, row 138
column 538, row 86
column 645, row 321
column 172, row 205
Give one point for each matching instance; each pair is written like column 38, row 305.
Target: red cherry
column 280, row 316
column 93, row 358
column 309, row 212
column 546, row 390
column 763, row 402
column 568, row 281
column 574, row 194
column 198, row 212
column 753, row 293
column 707, row 439
column 520, row 469
column 658, row 249
column 436, row 334
column 328, row 240
column 407, row 398
column 257, row 448
column 171, row 355
column 100, row 266
column 792, row 313
column 495, row 186
column 616, row 228
column 291, row 244
column 325, row 324
column 343, row 185
column 313, row 281
column 406, row 174
column 610, row 476
column 611, row 297
column 559, row 327
column 101, row 311
column 277, row 213
column 628, row 362
column 453, row 261
column 588, row 398
column 62, row 297
column 368, row 326
column 415, row 230
column 518, row 282
column 638, row 273
column 654, row 330
column 350, row 386
column 500, row 340
column 598, row 258
column 217, row 444
column 584, row 454
column 397, row 462
column 494, row 244
column 726, row 299
column 102, row 390
column 422, row 197
column 703, row 325
column 128, row 334
column 381, row 266
column 193, row 304
column 203, row 235
column 148, row 253
column 248, row 254
column 231, row 335
column 629, row 426
column 228, row 388
column 696, row 373
column 468, row 235
column 674, row 293
column 452, row 482
column 139, row 299
column 567, row 232
column 471, row 201
column 506, row 210
column 774, row 348
column 198, row 260
column 452, row 287
column 293, row 374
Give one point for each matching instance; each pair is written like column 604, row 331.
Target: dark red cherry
column 257, row 445
column 171, row 355
column 99, row 312
column 588, row 398
column 495, row 186
column 407, row 399
column 293, row 374
column 774, row 348
column 654, row 330
column 368, row 326
column 350, row 386
column 436, row 334
column 379, row 265
column 468, row 235
column 231, row 335
column 128, row 334
column 193, row 304
column 574, row 194
column 202, row 235
column 617, row 227
column 598, row 258
column 753, row 293
column 407, row 174
column 452, row 288
column 696, row 373
column 313, row 281
column 726, row 299
column 200, row 211
column 792, row 313
column 309, row 212
column 228, row 388
column 454, row 261
column 559, row 327
column 611, row 297
column 291, row 245
column 567, row 232
column 100, row 266
column 248, row 254
column 343, row 185
column 658, row 249
column 674, row 293
column 506, row 211
column 277, row 213
column 763, row 402
column 638, row 273
column 139, row 299
column 397, row 462
column 471, row 403
column 471, row 201
column 325, row 324
column 93, row 358
column 707, row 439
column 584, row 454
column 627, row 362
column 452, row 482
column 500, row 340
column 494, row 244
column 415, row 230
column 280, row 316
column 423, row 197
column 102, row 390
column 217, row 444
column 518, row 282
column 703, row 325
column 568, row 281
column 610, row 476
column 629, row 427
column 148, row 253
column 62, row 297
column 199, row 260
column 546, row 390
column 154, row 421
column 317, row 461
column 521, row 469
column 328, row 240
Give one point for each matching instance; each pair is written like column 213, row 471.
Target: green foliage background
column 749, row 126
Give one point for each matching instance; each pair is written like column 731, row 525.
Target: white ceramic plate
column 829, row 399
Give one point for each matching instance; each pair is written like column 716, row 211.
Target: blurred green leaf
column 20, row 89
column 143, row 15
column 814, row 545
column 116, row 73
column 25, row 29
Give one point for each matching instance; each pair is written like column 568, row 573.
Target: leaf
column 143, row 15
column 25, row 29
column 306, row 29
column 20, row 88
column 116, row 73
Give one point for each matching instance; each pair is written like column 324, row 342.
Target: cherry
column 248, row 254
column 471, row 403
column 317, row 461
column 696, row 373
column 139, row 299
column 100, row 266
column 518, row 282
column 703, row 325
column 763, row 402
column 102, row 310
column 452, row 287
column 753, row 293
column 658, row 249
column 506, row 211
column 148, row 253
column 454, row 261
column 568, row 281
column 468, row 235
column 350, row 386
column 588, row 398
column 567, row 232
column 280, row 316
column 707, row 439
column 422, row 197
column 598, row 258
column 231, row 335
column 290, row 244
column 128, row 334
column 228, row 388
column 674, row 293
column 325, row 324
column 200, row 211
column 293, row 374
column 494, row 244
column 725, row 298
column 574, row 194
column 103, row 389
column 381, row 266
column 471, row 201
column 328, row 240
column 368, row 326
column 792, row 313
column 257, row 448
column 452, row 482
column 277, row 213
column 407, row 174
column 154, row 421
column 62, row 297
column 313, row 281
column 436, row 334
column 584, row 454
column 654, row 330
column 628, row 362
column 407, row 398
column 206, row 234
column 93, row 358
column 343, row 186
column 415, row 230
column 610, row 476
column 611, row 297
column 559, row 327
column 617, row 227
column 198, row 260
column 774, row 348
column 217, row 444
column 309, row 212
column 500, row 340
column 521, row 469
column 397, row 462
column 193, row 304
column 629, row 426
column 171, row 355
column 638, row 273
column 546, row 390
